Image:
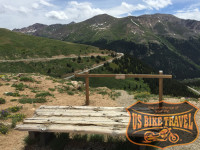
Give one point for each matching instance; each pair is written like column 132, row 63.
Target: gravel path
column 52, row 58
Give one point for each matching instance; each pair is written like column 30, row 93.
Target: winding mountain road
column 52, row 58
column 119, row 55
column 195, row 91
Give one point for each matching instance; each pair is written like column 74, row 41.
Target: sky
column 22, row 13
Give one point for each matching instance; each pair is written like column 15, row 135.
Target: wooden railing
column 160, row 76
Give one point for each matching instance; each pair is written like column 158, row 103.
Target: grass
column 15, row 109
column 70, row 93
column 27, row 79
column 8, row 114
column 2, row 101
column 43, row 94
column 62, row 141
column 29, row 141
column 15, row 94
column 16, row 46
column 96, row 138
column 3, row 128
column 32, row 100
column 59, row 142
column 79, row 137
column 20, row 86
column 54, row 68
column 112, row 94
column 62, row 89
column 52, row 89
column 16, row 118
column 143, row 96
column 13, row 100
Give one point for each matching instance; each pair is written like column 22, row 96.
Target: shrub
column 103, row 92
column 20, row 86
column 43, row 94
column 59, row 142
column 15, row 109
column 13, row 100
column 114, row 94
column 52, row 89
column 63, row 89
column 17, row 117
column 29, row 141
column 3, row 128
column 4, row 114
column 27, row 79
column 12, row 94
column 96, row 138
column 32, row 100
column 2, row 101
column 70, row 93
column 79, row 137
column 14, row 122
column 142, row 95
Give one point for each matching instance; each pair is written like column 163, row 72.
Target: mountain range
column 163, row 41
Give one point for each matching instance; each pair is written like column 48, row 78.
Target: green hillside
column 16, row 46
column 56, row 68
column 129, row 65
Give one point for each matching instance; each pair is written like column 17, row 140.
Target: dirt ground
column 14, row 139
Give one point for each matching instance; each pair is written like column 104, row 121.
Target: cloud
column 57, row 15
column 35, row 5
column 20, row 9
column 21, row 13
column 189, row 14
column 124, row 8
column 76, row 11
column 81, row 11
column 157, row 4
column 2, row 10
column 43, row 2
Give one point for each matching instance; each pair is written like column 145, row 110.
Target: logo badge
column 162, row 124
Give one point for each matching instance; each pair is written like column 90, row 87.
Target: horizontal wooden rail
column 126, row 75
column 159, row 76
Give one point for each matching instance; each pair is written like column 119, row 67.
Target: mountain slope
column 128, row 65
column 163, row 41
column 16, row 46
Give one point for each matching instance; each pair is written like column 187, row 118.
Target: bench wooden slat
column 83, row 108
column 83, row 114
column 72, row 129
column 90, row 119
column 78, row 122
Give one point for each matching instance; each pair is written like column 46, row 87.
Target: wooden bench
column 75, row 119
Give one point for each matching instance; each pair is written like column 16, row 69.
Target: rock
column 13, row 80
column 182, row 98
column 20, row 74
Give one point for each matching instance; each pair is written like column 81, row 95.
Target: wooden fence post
column 160, row 86
column 87, row 89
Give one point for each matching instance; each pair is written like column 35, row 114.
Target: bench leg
column 42, row 137
column 33, row 135
column 45, row 137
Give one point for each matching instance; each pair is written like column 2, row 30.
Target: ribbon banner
column 162, row 124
